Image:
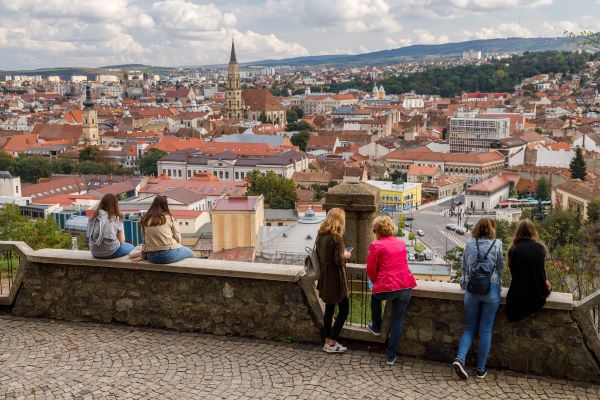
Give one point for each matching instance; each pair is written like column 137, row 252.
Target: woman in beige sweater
column 162, row 240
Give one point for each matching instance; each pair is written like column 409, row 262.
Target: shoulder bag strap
column 477, row 244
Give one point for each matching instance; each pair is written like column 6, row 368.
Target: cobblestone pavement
column 55, row 360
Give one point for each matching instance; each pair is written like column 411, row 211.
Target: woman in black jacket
column 529, row 287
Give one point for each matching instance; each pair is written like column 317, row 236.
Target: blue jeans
column 400, row 300
column 480, row 313
column 124, row 249
column 169, row 256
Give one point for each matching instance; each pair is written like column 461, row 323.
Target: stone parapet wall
column 550, row 343
column 222, row 305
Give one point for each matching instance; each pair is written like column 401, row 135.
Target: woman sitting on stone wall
column 104, row 232
column 528, row 287
column 162, row 240
column 332, row 285
column 392, row 279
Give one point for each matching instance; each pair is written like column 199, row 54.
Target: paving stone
column 42, row 359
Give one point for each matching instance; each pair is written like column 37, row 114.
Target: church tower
column 234, row 105
column 90, row 136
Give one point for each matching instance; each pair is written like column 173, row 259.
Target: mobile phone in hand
column 349, row 249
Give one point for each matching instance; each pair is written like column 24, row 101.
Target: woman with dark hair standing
column 481, row 306
column 332, row 285
column 162, row 240
column 104, row 231
column 529, row 287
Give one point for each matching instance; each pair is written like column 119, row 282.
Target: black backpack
column 480, row 272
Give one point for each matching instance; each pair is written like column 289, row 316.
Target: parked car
column 421, row 257
column 411, row 257
column 428, row 256
column 451, row 227
column 420, row 232
column 461, row 230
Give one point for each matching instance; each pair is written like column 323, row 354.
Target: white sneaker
column 336, row 348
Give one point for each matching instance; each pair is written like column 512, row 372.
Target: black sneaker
column 481, row 374
column 391, row 362
column 459, row 368
column 372, row 329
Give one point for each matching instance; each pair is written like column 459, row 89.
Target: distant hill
column 67, row 72
column 403, row 54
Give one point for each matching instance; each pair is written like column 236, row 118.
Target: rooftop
column 240, row 203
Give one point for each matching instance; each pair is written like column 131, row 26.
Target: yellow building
column 398, row 197
column 236, row 222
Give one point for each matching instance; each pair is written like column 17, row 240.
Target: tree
column 300, row 139
column 31, row 169
column 6, row 161
column 577, row 165
column 279, row 192
column 454, row 258
column 298, row 126
column 412, row 237
column 593, row 211
column 262, row 117
column 420, row 248
column 318, row 192
column 401, row 224
column 291, row 116
column 299, row 112
column 542, row 189
column 89, row 153
column 39, row 234
column 398, row 176
column 148, row 162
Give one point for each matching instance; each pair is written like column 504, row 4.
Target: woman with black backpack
column 481, row 279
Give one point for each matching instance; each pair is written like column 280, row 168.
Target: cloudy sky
column 51, row 33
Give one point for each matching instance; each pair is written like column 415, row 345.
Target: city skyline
column 94, row 33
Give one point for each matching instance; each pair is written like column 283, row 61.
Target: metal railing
column 9, row 264
column 359, row 296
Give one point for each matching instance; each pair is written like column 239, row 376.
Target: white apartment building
column 472, row 134
column 78, row 78
column 229, row 167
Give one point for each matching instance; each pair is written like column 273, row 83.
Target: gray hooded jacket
column 101, row 234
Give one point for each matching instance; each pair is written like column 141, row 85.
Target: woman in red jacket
column 387, row 268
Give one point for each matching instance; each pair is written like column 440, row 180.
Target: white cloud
column 395, row 43
column 348, row 15
column 98, row 32
column 460, row 8
column 502, row 30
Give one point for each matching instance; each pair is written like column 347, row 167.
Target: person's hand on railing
column 549, row 286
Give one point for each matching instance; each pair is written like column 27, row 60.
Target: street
column 433, row 221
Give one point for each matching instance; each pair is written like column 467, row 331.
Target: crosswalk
column 454, row 238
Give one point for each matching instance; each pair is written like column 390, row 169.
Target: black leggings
column 333, row 332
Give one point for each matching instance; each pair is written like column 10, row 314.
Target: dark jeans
column 333, row 332
column 400, row 300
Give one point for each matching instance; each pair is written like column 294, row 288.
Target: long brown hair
column 484, row 228
column 110, row 205
column 525, row 230
column 335, row 222
column 156, row 214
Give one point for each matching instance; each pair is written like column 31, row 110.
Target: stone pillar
column 360, row 201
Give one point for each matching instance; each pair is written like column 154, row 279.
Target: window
column 237, row 175
column 268, row 224
column 280, row 224
column 179, row 173
column 226, row 174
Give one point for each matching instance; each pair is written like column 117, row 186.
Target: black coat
column 528, row 291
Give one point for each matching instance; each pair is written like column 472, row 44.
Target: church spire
column 232, row 59
column 88, row 103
